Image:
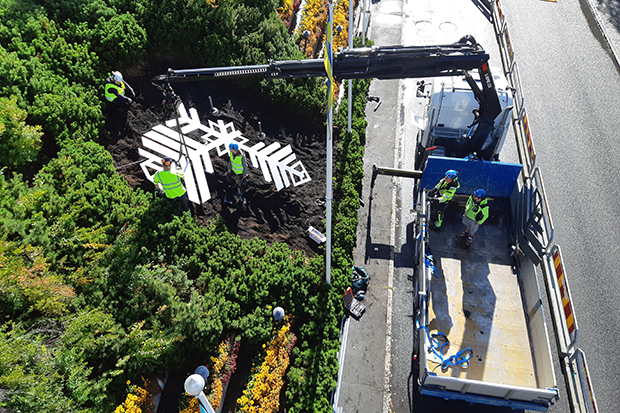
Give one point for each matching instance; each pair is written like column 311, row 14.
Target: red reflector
column 485, row 67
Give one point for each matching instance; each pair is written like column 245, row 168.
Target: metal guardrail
column 565, row 319
column 344, row 336
column 537, row 232
column 583, row 373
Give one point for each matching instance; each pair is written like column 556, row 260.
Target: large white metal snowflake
column 278, row 164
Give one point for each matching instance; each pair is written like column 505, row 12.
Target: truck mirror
column 420, row 91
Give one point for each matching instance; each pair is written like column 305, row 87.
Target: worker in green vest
column 441, row 196
column 476, row 212
column 237, row 174
column 118, row 92
column 170, row 185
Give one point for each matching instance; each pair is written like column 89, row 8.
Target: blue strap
column 422, row 232
column 459, row 359
column 428, row 260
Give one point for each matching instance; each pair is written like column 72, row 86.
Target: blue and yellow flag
column 329, row 58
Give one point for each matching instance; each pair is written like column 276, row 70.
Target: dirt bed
column 270, row 215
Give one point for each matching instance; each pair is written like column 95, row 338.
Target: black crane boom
column 388, row 62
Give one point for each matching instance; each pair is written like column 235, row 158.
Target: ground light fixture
column 194, row 386
column 278, row 313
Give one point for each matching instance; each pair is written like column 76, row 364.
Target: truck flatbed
column 480, row 297
column 476, row 302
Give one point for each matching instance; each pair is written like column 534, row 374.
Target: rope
column 181, row 137
column 177, row 103
column 460, row 359
column 129, row 164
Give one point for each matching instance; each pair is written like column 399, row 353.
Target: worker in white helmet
column 119, row 92
column 170, row 185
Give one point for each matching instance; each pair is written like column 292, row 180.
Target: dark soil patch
column 270, row 215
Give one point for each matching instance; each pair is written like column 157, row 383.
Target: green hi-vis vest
column 447, row 190
column 477, row 212
column 171, row 183
column 236, row 163
column 121, row 91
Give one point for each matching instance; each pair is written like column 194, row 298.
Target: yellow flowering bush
column 341, row 18
column 286, row 11
column 138, row 400
column 192, row 406
column 262, row 394
column 217, row 390
column 313, row 20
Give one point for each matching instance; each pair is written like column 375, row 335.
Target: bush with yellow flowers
column 341, row 18
column 314, row 20
column 138, row 399
column 262, row 394
column 286, row 11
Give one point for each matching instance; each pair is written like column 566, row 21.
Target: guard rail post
column 563, row 315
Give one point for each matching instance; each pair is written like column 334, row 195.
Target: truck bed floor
column 476, row 302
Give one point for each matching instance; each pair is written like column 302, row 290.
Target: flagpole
column 328, row 186
column 350, row 81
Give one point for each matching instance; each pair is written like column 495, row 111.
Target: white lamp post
column 194, row 385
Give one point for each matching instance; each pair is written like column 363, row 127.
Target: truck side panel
column 539, row 338
column 498, row 179
column 511, row 400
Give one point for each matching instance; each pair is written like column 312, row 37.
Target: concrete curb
column 613, row 50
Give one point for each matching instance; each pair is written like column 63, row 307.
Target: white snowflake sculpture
column 278, row 164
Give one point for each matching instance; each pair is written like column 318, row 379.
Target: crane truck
column 484, row 300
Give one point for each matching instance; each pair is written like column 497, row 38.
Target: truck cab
column 451, row 108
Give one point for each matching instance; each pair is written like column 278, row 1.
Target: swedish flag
column 329, row 58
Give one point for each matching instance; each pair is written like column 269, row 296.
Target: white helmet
column 117, row 76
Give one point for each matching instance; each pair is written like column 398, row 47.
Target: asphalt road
column 571, row 85
column 570, row 81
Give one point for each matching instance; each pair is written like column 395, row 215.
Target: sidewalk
column 363, row 387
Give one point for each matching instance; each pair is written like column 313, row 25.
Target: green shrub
column 19, row 143
column 153, row 291
column 121, row 41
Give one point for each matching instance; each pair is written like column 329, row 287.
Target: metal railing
column 536, row 232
